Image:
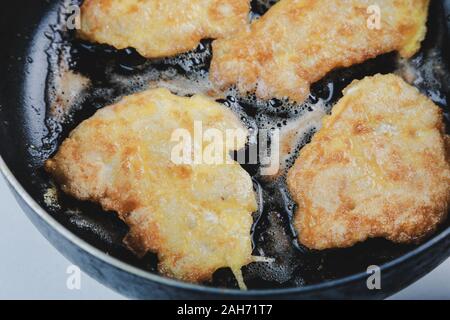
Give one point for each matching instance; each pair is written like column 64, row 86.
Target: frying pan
column 91, row 238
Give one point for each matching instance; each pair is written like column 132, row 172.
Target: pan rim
column 125, row 267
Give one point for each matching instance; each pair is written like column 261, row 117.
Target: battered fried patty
column 196, row 217
column 379, row 167
column 297, row 42
column 159, row 28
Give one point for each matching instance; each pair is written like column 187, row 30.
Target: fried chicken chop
column 159, row 28
column 196, row 217
column 379, row 167
column 297, row 42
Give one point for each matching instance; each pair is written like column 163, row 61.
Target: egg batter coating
column 160, row 28
column 379, row 167
column 297, row 42
column 196, row 217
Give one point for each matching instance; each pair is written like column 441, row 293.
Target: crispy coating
column 379, row 167
column 197, row 218
column 160, row 28
column 297, row 42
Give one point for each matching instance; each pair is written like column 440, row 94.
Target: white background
column 30, row 268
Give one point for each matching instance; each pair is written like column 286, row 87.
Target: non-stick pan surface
column 32, row 52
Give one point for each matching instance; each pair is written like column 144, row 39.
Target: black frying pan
column 32, row 47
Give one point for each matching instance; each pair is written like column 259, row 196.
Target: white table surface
column 30, row 268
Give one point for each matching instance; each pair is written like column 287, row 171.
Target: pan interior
column 63, row 81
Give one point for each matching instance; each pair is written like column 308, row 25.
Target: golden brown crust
column 297, row 42
column 197, row 218
column 377, row 168
column 160, row 28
